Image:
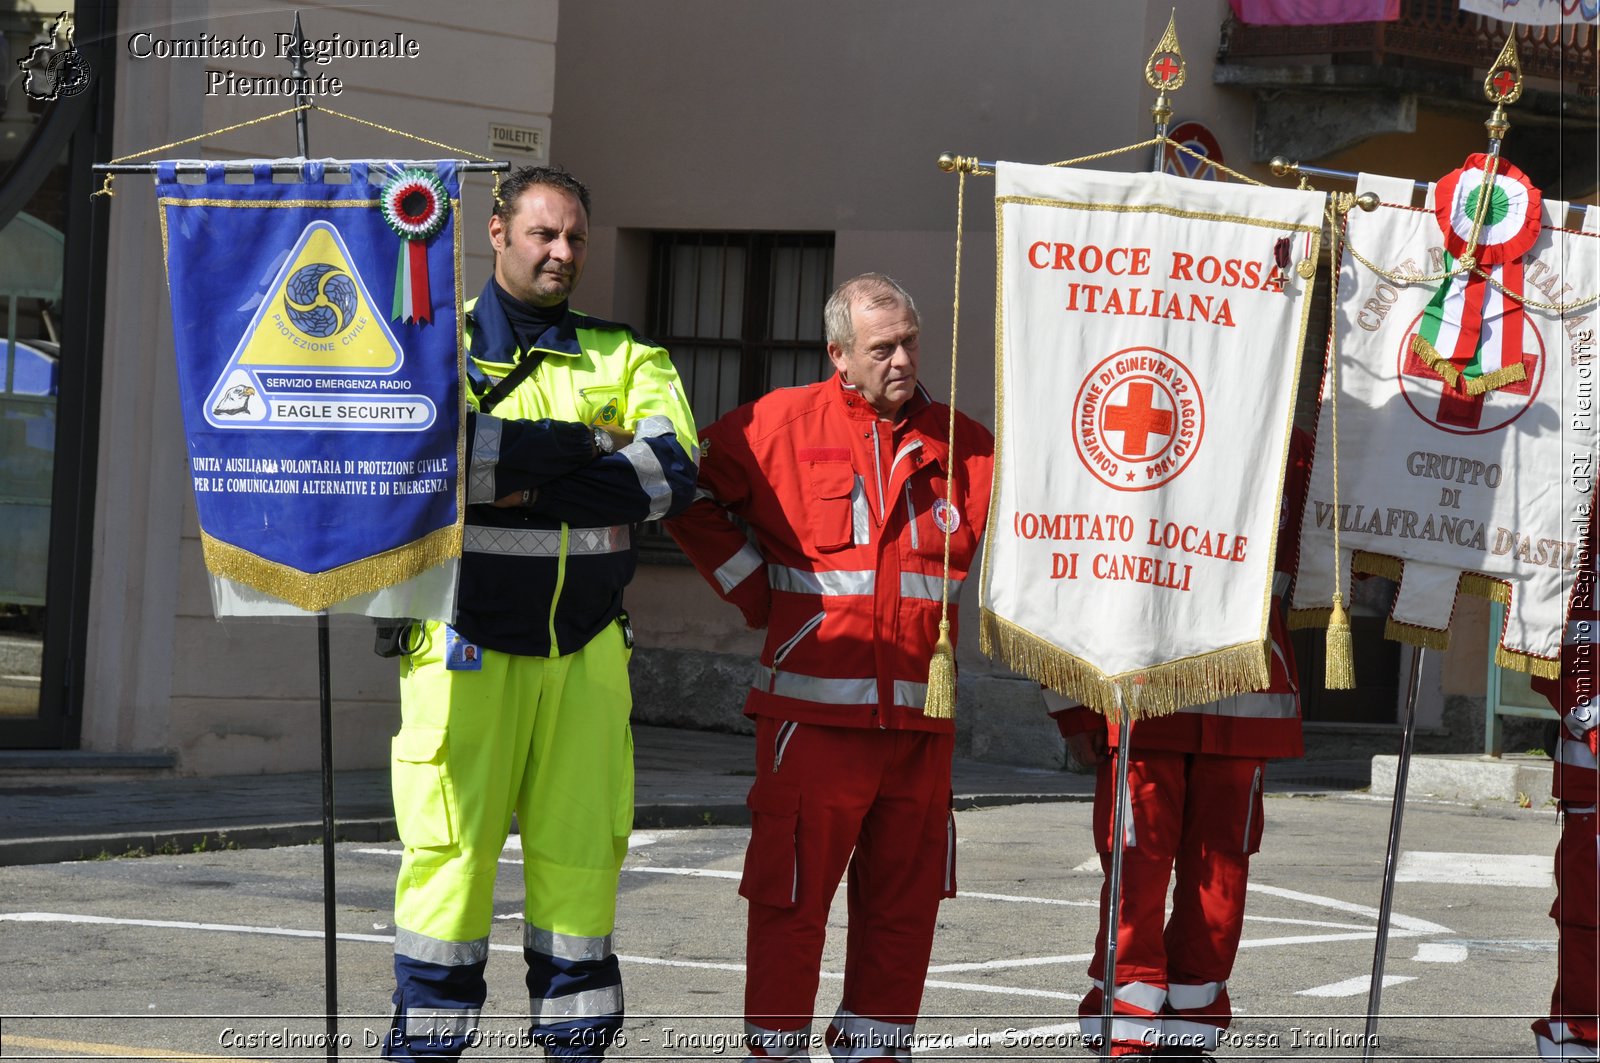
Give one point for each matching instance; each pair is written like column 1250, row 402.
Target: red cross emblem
column 1138, row 419
column 1504, row 82
column 1456, row 411
column 1166, row 69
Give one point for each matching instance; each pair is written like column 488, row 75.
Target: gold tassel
column 941, row 703
column 1340, row 672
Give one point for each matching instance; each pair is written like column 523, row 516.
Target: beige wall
column 241, row 696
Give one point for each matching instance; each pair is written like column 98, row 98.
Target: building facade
column 743, row 158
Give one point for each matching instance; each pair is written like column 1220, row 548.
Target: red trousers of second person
column 826, row 798
column 1200, row 816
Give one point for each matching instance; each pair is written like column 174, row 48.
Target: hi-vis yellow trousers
column 547, row 739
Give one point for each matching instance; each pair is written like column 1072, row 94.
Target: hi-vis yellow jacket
column 545, row 578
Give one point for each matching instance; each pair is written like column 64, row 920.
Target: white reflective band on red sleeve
column 738, row 568
column 828, row 584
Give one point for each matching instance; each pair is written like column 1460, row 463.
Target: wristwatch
column 604, row 442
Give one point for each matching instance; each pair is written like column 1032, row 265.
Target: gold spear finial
column 1503, row 85
column 1164, row 71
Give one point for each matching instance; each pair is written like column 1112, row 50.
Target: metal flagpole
column 330, row 932
column 1502, row 86
column 1402, row 771
column 1165, row 69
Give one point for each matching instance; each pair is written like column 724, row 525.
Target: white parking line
column 1531, row 870
column 1434, row 952
column 1351, row 987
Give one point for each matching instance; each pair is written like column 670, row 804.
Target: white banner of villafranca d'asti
column 1466, row 413
column 1149, row 331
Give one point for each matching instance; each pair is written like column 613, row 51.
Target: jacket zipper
column 1250, row 812
column 780, row 745
column 789, row 644
column 911, row 518
column 877, row 471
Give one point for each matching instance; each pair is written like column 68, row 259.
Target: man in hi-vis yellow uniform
column 579, row 431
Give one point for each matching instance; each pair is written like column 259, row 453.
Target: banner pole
column 1119, row 813
column 1402, row 771
column 330, row 933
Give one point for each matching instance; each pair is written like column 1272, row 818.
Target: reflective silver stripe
column 438, row 1024
column 485, row 456
column 911, row 521
column 817, row 688
column 1187, row 997
column 1566, row 1046
column 1123, row 1028
column 860, row 519
column 949, row 851
column 590, row 1004
column 855, row 1037
column 921, row 585
column 1575, row 753
column 1257, row 706
column 1582, row 632
column 433, row 950
column 652, row 478
column 1142, row 995
column 532, row 542
column 909, row 694
column 1585, row 811
column 828, row 691
column 914, row 445
column 1201, row 1035
column 799, row 581
column 653, row 427
column 564, row 946
column 1280, row 584
column 738, row 568
column 779, row 1044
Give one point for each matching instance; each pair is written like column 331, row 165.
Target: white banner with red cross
column 1442, row 486
column 1149, row 331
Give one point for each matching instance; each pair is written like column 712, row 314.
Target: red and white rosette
column 1489, row 224
column 1511, row 222
column 415, row 206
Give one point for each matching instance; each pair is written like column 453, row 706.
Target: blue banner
column 319, row 367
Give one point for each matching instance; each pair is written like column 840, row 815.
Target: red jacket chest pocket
column 829, row 484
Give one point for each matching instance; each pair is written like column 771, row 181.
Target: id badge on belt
column 459, row 654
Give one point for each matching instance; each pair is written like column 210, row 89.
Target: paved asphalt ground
column 219, row 953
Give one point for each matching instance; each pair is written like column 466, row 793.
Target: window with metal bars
column 741, row 314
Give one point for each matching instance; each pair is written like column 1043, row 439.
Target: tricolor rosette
column 415, row 205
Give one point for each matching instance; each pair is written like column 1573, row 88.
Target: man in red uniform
column 848, row 488
column 1570, row 1031
column 1195, row 780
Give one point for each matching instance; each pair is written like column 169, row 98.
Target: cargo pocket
column 831, row 484
column 424, row 807
column 771, row 863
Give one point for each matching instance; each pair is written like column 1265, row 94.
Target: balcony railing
column 1430, row 34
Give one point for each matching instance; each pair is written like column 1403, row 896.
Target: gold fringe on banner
column 1377, row 565
column 315, row 591
column 1481, row 586
column 1542, row 667
column 1436, row 361
column 1430, row 638
column 1165, row 689
column 1510, row 374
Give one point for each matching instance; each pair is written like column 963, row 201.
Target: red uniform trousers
column 877, row 801
column 1201, row 815
column 1570, row 1032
